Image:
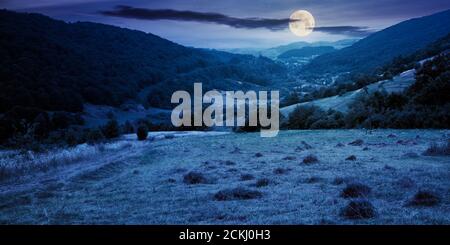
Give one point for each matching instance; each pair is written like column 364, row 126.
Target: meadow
column 298, row 177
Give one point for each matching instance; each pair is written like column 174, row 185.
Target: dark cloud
column 169, row 14
column 217, row 18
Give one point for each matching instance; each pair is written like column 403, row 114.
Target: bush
column 280, row 171
column 72, row 137
column 309, row 159
column 358, row 142
column 111, row 129
column 193, row 178
column 313, row 117
column 355, row 190
column 351, row 158
column 425, row 104
column 438, row 149
column 424, row 198
column 238, row 193
column 358, row 209
column 142, row 132
column 262, row 182
column 94, row 136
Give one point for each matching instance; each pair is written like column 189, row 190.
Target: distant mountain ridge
column 274, row 52
column 306, row 52
column 381, row 47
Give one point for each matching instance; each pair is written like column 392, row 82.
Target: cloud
column 217, row 18
column 169, row 14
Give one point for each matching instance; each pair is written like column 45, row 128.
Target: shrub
column 309, row 159
column 280, row 171
column 351, row 158
column 142, row 132
column 229, row 163
column 357, row 142
column 94, row 135
column 111, row 129
column 314, row 117
column 262, row 182
column 358, row 209
column 72, row 137
column 289, row 158
column 193, row 178
column 424, row 198
column 238, row 193
column 438, row 149
column 355, row 190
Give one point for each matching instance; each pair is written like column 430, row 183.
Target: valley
column 86, row 135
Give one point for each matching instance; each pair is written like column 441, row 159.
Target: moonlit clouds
column 335, row 19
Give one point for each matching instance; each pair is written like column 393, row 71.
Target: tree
column 142, row 132
column 111, row 129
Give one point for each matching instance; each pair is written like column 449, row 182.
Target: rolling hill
column 58, row 66
column 383, row 46
column 341, row 103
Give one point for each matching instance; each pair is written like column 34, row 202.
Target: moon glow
column 301, row 23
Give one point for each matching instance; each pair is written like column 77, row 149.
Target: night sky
column 235, row 23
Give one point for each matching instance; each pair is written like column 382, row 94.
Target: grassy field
column 244, row 179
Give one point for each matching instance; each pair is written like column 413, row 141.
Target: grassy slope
column 340, row 103
column 144, row 183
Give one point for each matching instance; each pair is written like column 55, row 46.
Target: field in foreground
column 244, row 179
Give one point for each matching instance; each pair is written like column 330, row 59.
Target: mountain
column 306, row 52
column 58, row 66
column 274, row 52
column 383, row 46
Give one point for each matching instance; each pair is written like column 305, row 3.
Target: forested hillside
column 381, row 47
column 53, row 65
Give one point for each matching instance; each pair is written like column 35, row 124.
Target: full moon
column 301, row 23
